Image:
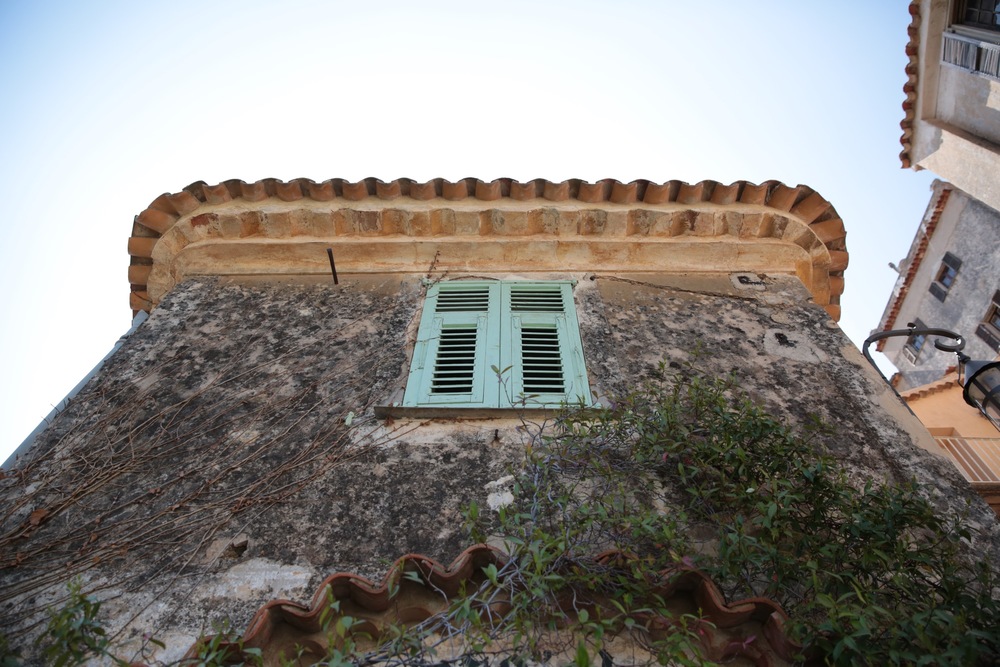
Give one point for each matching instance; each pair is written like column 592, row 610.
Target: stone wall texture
column 228, row 454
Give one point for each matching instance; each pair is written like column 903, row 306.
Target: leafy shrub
column 689, row 469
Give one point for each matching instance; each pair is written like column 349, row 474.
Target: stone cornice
column 272, row 227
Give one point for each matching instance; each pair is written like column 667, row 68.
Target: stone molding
column 272, row 227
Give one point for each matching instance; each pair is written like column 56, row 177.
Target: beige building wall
column 945, row 412
column 969, row 439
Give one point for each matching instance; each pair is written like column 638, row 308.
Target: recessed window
column 945, row 276
column 973, row 40
column 981, row 14
column 497, row 344
column 993, row 317
column 915, row 343
column 989, row 329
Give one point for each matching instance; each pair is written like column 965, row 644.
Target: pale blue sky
column 108, row 104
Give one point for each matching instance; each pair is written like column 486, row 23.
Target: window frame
column 971, row 46
column 914, row 344
column 989, row 327
column 498, row 363
column 961, row 11
column 945, row 277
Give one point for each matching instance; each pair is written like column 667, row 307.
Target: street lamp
column 982, row 378
column 982, row 388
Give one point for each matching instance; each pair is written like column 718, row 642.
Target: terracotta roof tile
column 417, row 587
column 253, row 191
column 692, row 194
column 811, row 207
column 783, row 197
column 660, row 194
column 838, row 260
column 948, row 381
column 725, row 194
column 829, row 230
column 138, row 274
column 624, row 193
column 290, row 191
column 910, row 87
column 217, row 194
column 158, row 221
column 754, row 194
column 141, row 246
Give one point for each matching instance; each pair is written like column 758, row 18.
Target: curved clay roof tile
column 910, row 87
column 730, row 630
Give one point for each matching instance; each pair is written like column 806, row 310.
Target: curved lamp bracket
column 956, row 346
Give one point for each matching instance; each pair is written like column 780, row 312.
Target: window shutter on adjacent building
column 498, row 344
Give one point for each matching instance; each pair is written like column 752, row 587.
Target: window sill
column 456, row 412
column 973, row 33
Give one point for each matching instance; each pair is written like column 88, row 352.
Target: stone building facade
column 950, row 279
column 253, row 436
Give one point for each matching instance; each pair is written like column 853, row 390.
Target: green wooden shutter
column 541, row 345
column 458, row 340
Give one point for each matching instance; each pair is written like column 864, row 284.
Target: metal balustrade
column 978, row 459
column 971, row 54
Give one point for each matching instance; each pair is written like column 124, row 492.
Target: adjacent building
column 950, row 278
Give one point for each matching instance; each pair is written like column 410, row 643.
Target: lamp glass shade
column 982, row 388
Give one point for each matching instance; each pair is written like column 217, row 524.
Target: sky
column 106, row 105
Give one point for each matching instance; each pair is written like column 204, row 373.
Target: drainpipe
column 63, row 404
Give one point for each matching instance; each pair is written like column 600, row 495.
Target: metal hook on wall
column 333, row 266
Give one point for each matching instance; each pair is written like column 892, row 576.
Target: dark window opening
column 981, row 14
column 945, row 276
column 915, row 343
column 989, row 329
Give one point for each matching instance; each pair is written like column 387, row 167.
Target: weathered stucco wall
column 946, row 411
column 969, row 101
column 228, row 454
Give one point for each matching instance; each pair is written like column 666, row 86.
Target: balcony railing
column 977, row 458
column 971, row 54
